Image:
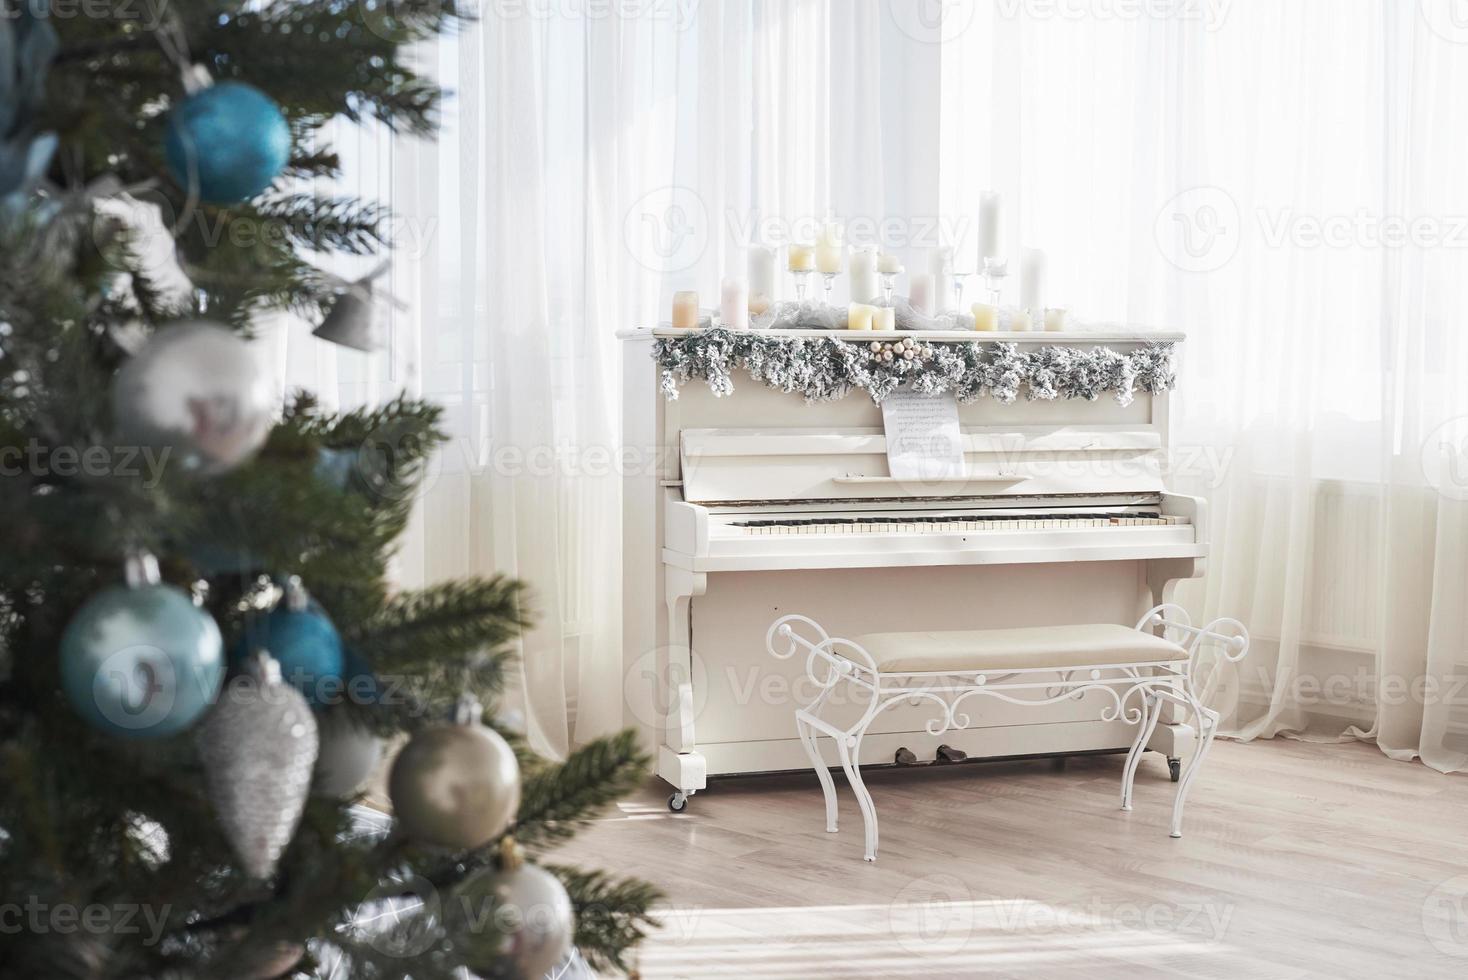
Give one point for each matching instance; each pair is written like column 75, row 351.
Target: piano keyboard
column 949, row 524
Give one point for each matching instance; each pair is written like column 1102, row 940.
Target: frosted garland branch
column 827, row 368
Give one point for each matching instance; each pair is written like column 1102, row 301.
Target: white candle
column 859, row 316
column 885, row 318
column 1032, row 279
column 734, row 304
column 1057, row 320
column 920, row 293
column 762, row 271
column 888, row 265
column 802, row 258
column 685, row 310
column 758, row 305
column 1021, row 322
column 864, row 274
column 829, row 248
column 940, row 262
column 990, row 230
column 986, row 317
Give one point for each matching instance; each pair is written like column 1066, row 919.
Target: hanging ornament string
column 175, row 45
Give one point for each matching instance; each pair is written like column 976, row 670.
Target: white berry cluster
column 905, row 349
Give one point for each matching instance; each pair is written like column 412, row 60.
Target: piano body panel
column 699, row 600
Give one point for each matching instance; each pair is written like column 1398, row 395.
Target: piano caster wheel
column 1175, row 769
column 678, row 802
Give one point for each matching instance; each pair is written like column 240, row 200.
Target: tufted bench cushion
column 1016, row 649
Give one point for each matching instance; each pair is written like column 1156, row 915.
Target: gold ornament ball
column 455, row 786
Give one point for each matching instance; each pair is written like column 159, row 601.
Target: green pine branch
column 612, row 915
column 326, row 224
column 558, row 800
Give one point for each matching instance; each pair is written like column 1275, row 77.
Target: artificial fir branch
column 557, row 800
column 612, row 915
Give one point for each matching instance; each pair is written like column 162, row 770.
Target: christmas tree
column 202, row 659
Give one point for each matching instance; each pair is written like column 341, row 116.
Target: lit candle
column 758, row 305
column 762, row 271
column 1057, row 320
column 864, row 274
column 1032, row 279
column 734, row 304
column 884, row 318
column 829, row 248
column 888, row 265
column 990, row 231
column 859, row 316
column 940, row 262
column 1021, row 322
column 802, row 258
column 920, row 293
column 986, row 317
column 685, row 310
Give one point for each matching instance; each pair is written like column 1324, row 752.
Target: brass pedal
column 947, row 753
column 906, row 757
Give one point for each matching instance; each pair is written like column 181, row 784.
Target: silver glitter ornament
column 531, row 914
column 456, row 785
column 258, row 746
column 198, row 391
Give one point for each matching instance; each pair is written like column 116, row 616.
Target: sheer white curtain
column 1281, row 181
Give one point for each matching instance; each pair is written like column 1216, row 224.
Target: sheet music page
column 923, row 438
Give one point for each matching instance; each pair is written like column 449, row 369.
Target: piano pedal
column 947, row 753
column 906, row 757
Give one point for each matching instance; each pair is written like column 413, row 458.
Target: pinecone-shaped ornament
column 258, row 746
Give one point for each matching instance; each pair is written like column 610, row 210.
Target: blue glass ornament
column 303, row 641
column 335, row 467
column 141, row 661
column 231, row 138
column 360, row 685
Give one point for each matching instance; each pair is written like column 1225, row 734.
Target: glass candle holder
column 959, row 279
column 994, row 272
column 802, row 280
column 829, row 281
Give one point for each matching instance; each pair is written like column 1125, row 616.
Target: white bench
column 1161, row 660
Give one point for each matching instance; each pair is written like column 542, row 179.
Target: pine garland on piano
column 828, row 368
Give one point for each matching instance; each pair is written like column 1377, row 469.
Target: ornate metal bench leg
column 1151, row 711
column 1207, row 727
column 863, row 799
column 828, row 787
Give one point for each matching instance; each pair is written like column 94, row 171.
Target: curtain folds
column 1281, row 181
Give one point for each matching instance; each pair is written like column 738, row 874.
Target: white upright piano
column 740, row 509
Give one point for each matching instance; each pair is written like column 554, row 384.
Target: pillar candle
column 940, row 262
column 864, row 274
column 762, row 271
column 885, row 318
column 986, row 317
column 829, row 248
column 1021, row 322
column 1032, row 279
column 888, row 265
column 685, row 310
column 734, row 304
column 920, row 293
column 990, row 231
column 859, row 316
column 802, row 258
column 1057, row 320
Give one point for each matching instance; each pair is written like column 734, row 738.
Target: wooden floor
column 1298, row 860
